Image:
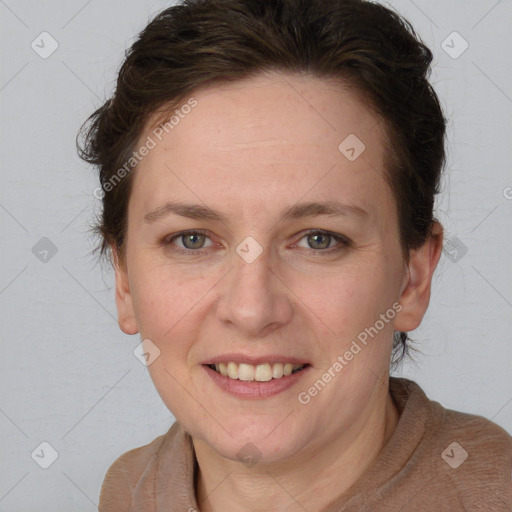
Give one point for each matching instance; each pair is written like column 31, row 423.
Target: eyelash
column 343, row 242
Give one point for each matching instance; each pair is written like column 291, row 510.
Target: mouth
column 258, row 373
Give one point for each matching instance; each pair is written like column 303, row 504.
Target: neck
column 311, row 481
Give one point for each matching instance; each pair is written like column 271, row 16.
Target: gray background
column 68, row 374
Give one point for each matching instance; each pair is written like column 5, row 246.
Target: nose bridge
column 251, row 281
column 253, row 298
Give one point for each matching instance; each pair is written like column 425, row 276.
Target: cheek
column 348, row 300
column 164, row 299
column 168, row 307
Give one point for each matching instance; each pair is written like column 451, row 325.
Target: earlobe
column 125, row 312
column 415, row 294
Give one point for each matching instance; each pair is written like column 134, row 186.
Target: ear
column 415, row 291
column 125, row 311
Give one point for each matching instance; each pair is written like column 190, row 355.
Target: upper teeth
column 261, row 372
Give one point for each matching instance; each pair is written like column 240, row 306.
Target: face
column 291, row 252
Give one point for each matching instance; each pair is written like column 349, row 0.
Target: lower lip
column 255, row 389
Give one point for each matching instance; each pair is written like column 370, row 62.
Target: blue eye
column 320, row 241
column 193, row 242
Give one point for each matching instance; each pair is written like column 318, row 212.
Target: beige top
column 436, row 460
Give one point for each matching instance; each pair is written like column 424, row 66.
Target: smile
column 288, row 376
column 260, row 373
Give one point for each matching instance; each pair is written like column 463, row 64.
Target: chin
column 255, row 442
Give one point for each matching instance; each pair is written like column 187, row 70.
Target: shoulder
column 480, row 435
column 458, row 459
column 124, row 474
column 473, row 457
column 477, row 432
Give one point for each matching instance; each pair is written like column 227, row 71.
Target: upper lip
column 254, row 360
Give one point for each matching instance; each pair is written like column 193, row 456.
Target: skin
column 251, row 149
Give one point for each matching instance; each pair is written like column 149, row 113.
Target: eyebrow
column 297, row 211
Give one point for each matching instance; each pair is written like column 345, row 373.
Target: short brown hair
column 198, row 43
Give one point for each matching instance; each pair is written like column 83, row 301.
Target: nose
column 254, row 298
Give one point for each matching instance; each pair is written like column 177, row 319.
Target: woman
column 268, row 172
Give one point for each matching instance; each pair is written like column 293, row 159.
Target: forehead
column 274, row 136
